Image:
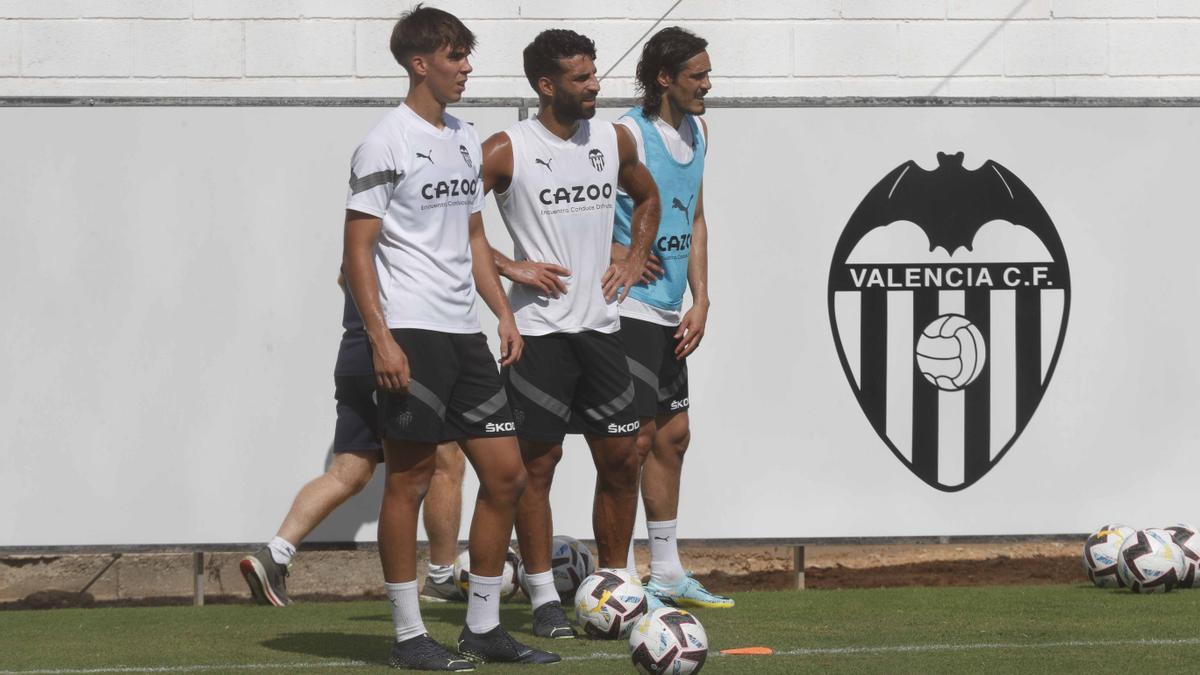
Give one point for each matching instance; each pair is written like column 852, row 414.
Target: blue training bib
column 678, row 188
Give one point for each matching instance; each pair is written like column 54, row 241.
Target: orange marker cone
column 748, row 651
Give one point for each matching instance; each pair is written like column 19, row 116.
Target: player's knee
column 619, row 467
column 506, row 485
column 411, row 485
column 644, row 442
column 351, row 473
column 451, row 463
column 674, row 444
column 540, row 468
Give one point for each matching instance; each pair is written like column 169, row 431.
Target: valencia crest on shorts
column 949, row 293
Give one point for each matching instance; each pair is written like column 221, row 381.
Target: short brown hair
column 424, row 30
column 543, row 54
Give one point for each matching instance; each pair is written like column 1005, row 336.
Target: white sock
column 406, row 610
column 631, row 563
column 282, row 550
column 541, row 588
column 440, row 573
column 483, row 603
column 665, row 567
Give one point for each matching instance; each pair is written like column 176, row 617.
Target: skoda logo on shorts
column 949, row 293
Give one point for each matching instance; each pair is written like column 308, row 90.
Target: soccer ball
column 508, row 582
column 1186, row 538
column 951, row 352
column 571, row 561
column 608, row 603
column 1100, row 555
column 668, row 640
column 1150, row 562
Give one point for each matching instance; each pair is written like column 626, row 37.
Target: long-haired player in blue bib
column 673, row 78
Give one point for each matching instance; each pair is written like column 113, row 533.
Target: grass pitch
column 1009, row 629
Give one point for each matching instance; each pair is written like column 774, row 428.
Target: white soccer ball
column 1100, row 555
column 668, row 640
column 571, row 561
column 1188, row 540
column 608, row 603
column 1150, row 562
column 508, row 582
column 951, row 352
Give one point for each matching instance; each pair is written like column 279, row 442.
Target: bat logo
column 949, row 293
column 597, row 158
column 465, row 155
column 687, row 210
column 545, row 163
column 428, row 156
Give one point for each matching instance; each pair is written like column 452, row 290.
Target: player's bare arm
column 636, row 181
column 487, row 283
column 358, row 262
column 691, row 328
column 497, row 175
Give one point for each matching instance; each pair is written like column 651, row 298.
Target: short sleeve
column 477, row 152
column 373, row 176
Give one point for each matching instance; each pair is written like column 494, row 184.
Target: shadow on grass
column 345, row 646
column 512, row 617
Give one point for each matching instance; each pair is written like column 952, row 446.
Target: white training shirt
column 679, row 143
column 424, row 182
column 559, row 209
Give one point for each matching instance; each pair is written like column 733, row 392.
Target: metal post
column 798, row 565
column 198, row 574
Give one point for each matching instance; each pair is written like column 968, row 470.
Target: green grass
column 1029, row 629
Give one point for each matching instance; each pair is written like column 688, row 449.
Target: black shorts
column 572, row 383
column 357, row 427
column 455, row 390
column 661, row 380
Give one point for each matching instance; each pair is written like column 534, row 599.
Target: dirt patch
column 47, row 582
column 990, row 572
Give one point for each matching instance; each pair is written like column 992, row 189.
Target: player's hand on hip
column 511, row 342
column 621, row 275
column 391, row 367
column 650, row 273
column 546, row 277
column 690, row 331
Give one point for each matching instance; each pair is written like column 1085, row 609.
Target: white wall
column 760, row 47
column 170, row 322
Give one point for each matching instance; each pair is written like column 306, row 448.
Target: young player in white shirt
column 415, row 254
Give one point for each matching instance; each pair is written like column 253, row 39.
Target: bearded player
column 555, row 178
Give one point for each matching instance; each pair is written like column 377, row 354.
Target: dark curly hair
column 542, row 55
column 424, row 30
column 668, row 50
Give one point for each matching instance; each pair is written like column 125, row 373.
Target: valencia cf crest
column 597, row 158
column 466, row 156
column 948, row 296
